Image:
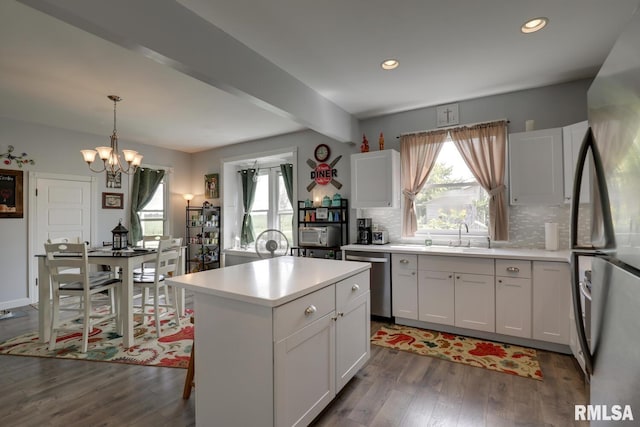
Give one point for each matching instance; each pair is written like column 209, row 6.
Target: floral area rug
column 506, row 358
column 172, row 350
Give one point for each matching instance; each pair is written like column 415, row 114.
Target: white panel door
column 61, row 208
column 64, row 210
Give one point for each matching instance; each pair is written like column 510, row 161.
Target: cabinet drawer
column 471, row 265
column 303, row 311
column 513, row 268
column 404, row 262
column 351, row 288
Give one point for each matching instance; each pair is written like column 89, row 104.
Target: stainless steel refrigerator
column 612, row 145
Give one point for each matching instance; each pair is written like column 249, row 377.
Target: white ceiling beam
column 171, row 34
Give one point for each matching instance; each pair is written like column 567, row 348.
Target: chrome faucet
column 460, row 232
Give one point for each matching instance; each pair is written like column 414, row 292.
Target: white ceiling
column 57, row 74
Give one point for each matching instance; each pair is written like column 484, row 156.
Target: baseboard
column 6, row 305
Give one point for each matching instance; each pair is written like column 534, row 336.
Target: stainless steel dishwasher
column 380, row 280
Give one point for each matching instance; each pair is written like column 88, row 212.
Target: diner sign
column 323, row 173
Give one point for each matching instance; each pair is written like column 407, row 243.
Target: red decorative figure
column 364, row 148
column 381, row 141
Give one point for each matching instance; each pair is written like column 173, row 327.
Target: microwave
column 328, row 236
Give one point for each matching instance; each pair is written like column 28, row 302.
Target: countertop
column 505, row 253
column 269, row 282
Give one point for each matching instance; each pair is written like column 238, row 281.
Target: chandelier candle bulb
column 109, row 155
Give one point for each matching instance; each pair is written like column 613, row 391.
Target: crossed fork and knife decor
column 315, row 171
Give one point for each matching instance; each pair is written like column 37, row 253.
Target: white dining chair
column 69, row 270
column 149, row 242
column 154, row 287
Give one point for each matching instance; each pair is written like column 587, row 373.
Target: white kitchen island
column 276, row 339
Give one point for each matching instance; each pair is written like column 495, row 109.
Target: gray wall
column 551, row 106
column 57, row 151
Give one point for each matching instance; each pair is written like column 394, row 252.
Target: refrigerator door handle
column 588, row 143
column 577, row 311
column 584, row 291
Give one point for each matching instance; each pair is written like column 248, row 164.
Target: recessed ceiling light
column 389, row 64
column 533, row 25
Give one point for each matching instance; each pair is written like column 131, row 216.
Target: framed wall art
column 211, row 190
column 11, row 205
column 112, row 201
column 114, row 180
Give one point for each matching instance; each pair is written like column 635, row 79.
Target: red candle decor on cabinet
column 364, row 148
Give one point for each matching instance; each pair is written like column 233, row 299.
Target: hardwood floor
column 394, row 389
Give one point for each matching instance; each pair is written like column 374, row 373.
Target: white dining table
column 124, row 261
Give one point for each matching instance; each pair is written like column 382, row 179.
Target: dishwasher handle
column 365, row 259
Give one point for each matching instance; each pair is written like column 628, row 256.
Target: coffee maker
column 364, row 231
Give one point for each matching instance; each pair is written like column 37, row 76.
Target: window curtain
column 418, row 153
column 483, row 149
column 287, row 176
column 145, row 184
column 248, row 177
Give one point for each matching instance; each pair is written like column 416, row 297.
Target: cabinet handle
column 513, row 269
column 499, row 280
column 355, row 287
column 310, row 310
column 457, row 277
column 450, row 276
column 404, row 261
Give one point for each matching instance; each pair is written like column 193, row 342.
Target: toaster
column 379, row 237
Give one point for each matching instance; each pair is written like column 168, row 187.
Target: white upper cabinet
column 572, row 137
column 536, row 167
column 375, row 179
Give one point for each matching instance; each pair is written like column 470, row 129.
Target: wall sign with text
column 323, row 173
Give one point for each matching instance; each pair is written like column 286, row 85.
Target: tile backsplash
column 526, row 226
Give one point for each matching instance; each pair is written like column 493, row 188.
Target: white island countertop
column 269, row 282
column 505, row 253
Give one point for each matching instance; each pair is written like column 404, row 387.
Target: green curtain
column 287, row 176
column 248, row 195
column 145, row 183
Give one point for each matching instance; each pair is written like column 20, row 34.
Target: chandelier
column 110, row 156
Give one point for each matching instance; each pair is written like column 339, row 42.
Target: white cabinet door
column 536, row 167
column 404, row 286
column 572, row 137
column 551, row 301
column 375, row 179
column 513, row 306
column 353, row 328
column 475, row 302
column 305, row 373
column 436, row 297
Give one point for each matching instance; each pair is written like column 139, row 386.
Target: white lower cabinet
column 513, row 297
column 475, row 302
column 436, row 296
column 404, row 291
column 353, row 327
column 322, row 340
column 551, row 301
column 457, row 291
column 305, row 373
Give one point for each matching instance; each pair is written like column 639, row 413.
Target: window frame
column 425, row 232
column 165, row 210
column 273, row 211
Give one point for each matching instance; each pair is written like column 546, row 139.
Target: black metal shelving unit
column 202, row 238
column 336, row 215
